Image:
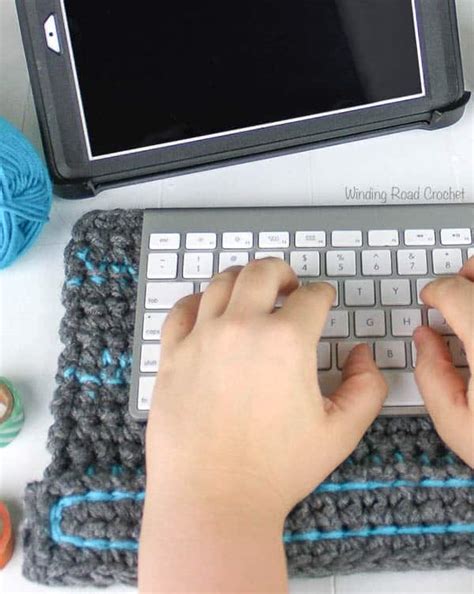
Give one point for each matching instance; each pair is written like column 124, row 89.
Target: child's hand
column 449, row 403
column 239, row 432
column 237, row 411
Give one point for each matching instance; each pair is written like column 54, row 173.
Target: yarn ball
column 25, row 194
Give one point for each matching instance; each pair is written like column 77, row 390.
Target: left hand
column 237, row 412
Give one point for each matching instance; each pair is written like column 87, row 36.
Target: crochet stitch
column 401, row 501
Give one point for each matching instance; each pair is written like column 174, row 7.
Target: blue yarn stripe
column 97, row 270
column 391, row 530
column 371, row 485
column 122, row 363
column 91, row 543
column 308, row 536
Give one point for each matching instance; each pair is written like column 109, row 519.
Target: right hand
column 449, row 402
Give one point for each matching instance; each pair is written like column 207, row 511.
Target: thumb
column 444, row 392
column 359, row 399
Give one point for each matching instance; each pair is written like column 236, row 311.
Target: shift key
column 165, row 295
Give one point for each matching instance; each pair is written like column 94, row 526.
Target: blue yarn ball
column 25, row 194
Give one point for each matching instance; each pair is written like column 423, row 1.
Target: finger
column 359, row 399
column 180, row 321
column 258, row 286
column 443, row 389
column 454, row 298
column 438, row 380
column 467, row 271
column 308, row 307
column 216, row 297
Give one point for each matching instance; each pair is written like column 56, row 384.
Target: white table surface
column 30, row 308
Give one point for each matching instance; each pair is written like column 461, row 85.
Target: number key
column 341, row 264
column 198, row 265
column 377, row 263
column 412, row 262
column 447, row 261
column 305, row 263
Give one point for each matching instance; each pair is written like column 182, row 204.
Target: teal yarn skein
column 25, row 194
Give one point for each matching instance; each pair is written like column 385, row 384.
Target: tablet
column 126, row 92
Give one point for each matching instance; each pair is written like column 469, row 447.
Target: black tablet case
column 444, row 105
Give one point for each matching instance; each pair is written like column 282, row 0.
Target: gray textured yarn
column 97, row 447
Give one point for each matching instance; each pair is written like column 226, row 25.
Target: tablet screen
column 152, row 73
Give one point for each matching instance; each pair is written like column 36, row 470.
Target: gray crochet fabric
column 401, row 501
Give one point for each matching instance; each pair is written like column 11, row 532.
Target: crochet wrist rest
column 401, row 501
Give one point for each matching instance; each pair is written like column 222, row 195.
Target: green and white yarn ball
column 12, row 416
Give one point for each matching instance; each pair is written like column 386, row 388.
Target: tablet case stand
column 440, row 118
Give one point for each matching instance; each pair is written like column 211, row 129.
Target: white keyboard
column 378, row 274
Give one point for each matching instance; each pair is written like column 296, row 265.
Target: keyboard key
column 383, row 238
column 403, row 390
column 470, row 253
column 152, row 325
column 420, row 285
column 390, row 354
column 456, row 237
column 341, row 239
column 274, row 239
column 377, row 263
column 359, row 293
column 165, row 241
column 237, row 241
column 201, row 241
column 438, row 322
column 414, row 354
column 341, row 264
column 337, row 325
column 324, row 356
column 395, row 292
column 310, row 239
column 447, row 261
column 458, row 352
column 280, row 300
column 415, row 237
column 165, row 295
column 344, row 349
column 405, row 321
column 162, row 266
column 228, row 259
column 150, row 359
column 198, row 265
column 203, row 287
column 412, row 262
column 334, row 284
column 263, row 255
column 370, row 323
column 305, row 263
column 145, row 392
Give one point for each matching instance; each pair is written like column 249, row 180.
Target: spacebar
column 403, row 390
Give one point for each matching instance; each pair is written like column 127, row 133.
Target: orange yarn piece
column 6, row 536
